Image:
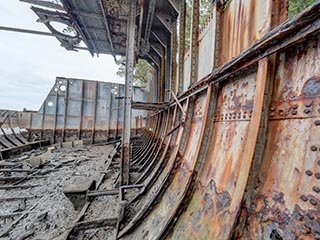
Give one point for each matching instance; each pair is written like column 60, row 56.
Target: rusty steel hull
column 244, row 162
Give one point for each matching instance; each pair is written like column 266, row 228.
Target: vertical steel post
column 130, row 52
column 168, row 66
column 94, row 112
column 163, row 76
column 174, row 57
column 55, row 119
column 108, row 110
column 194, row 46
column 43, row 118
column 65, row 113
column 182, row 43
column 81, row 110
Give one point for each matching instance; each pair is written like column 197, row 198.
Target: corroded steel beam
column 182, row 40
column 130, row 58
column 194, row 46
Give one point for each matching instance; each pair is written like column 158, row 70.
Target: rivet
column 272, row 109
column 317, row 175
column 250, row 111
column 319, row 110
column 317, row 122
column 313, row 201
column 316, row 189
column 310, row 216
column 271, row 114
column 295, row 106
column 306, row 111
column 304, row 198
column 308, row 104
column 314, row 148
column 319, row 162
column 308, row 172
column 294, row 112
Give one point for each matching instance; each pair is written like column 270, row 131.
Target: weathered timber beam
column 147, row 105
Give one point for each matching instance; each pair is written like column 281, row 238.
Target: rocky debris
column 53, row 212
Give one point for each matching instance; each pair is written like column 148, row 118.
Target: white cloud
column 29, row 64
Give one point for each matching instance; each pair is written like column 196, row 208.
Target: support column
column 182, row 43
column 194, row 46
column 168, row 66
column 174, row 58
column 130, row 52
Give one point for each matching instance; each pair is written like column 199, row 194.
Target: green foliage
column 205, row 12
column 141, row 71
column 296, row 6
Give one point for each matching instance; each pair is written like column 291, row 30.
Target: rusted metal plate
column 244, row 22
column 79, row 109
column 155, row 223
column 286, row 199
column 221, row 184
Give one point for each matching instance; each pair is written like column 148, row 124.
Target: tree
column 296, row 6
column 206, row 8
column 141, row 73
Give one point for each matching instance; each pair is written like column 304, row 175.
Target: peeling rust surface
column 244, row 22
column 286, row 191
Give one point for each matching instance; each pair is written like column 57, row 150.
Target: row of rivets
column 233, row 116
column 309, row 173
column 294, row 111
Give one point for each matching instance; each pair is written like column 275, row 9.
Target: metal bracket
column 178, row 103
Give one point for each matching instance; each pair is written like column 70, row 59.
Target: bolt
column 316, row 189
column 317, row 122
column 313, row 148
column 306, row 111
column 308, row 172
column 310, row 216
column 308, row 104
column 313, row 201
column 294, row 112
column 304, row 198
column 317, row 175
column 295, row 106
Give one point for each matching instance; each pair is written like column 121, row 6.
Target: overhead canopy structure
column 102, row 25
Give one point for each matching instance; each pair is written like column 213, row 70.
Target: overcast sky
column 29, row 63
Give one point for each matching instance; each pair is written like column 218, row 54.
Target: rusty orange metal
column 285, row 199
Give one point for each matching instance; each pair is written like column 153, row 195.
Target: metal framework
column 235, row 156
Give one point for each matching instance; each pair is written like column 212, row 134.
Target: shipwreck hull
column 247, row 165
